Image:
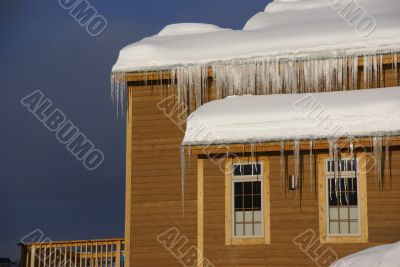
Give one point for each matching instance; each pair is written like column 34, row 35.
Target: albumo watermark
column 86, row 15
column 355, row 15
column 65, row 131
column 178, row 245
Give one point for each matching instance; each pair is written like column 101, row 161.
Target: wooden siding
column 289, row 221
column 154, row 198
column 155, row 195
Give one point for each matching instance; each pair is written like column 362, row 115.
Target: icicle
column 297, row 170
column 381, row 74
column 355, row 73
column 183, row 175
column 351, row 144
column 377, row 145
column 252, row 148
column 334, row 162
column 189, row 155
column 283, row 166
column 366, row 69
column 387, row 159
column 375, row 70
column 312, row 178
column 396, row 74
column 352, row 160
column 336, row 157
column 118, row 91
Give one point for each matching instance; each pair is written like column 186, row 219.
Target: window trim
column 247, row 178
column 325, row 237
column 229, row 239
column 327, row 177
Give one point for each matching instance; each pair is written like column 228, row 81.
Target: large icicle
column 388, row 172
column 283, row 166
column 118, row 91
column 312, row 177
column 334, row 163
column 297, row 170
column 377, row 144
column 395, row 65
column 183, row 175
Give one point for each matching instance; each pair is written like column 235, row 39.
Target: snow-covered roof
column 252, row 119
column 286, row 29
column 381, row 256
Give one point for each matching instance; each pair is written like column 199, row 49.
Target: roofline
column 141, row 76
column 275, row 146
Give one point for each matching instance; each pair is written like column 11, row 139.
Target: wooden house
column 237, row 199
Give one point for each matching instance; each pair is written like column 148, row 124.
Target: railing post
column 118, row 255
column 23, row 255
column 33, row 254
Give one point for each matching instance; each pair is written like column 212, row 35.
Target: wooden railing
column 84, row 253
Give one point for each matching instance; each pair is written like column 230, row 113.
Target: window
column 247, row 202
column 343, row 199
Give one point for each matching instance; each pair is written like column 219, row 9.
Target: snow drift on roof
column 188, row 28
column 287, row 29
column 252, row 119
column 381, row 256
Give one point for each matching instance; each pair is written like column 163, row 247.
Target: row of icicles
column 267, row 76
column 336, row 149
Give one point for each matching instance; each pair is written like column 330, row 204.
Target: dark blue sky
column 42, row 186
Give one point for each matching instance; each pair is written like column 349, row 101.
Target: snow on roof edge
column 311, row 55
column 220, row 122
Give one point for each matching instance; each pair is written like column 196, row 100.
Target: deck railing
column 84, row 253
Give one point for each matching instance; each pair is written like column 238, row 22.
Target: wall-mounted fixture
column 293, row 182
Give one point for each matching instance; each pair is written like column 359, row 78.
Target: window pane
column 239, row 229
column 333, row 228
column 238, row 202
column 333, row 214
column 257, row 202
column 354, row 213
column 256, row 169
column 239, row 216
column 248, row 216
column 238, row 188
column 257, row 229
column 344, row 228
column 248, row 229
column 247, row 169
column 354, row 228
column 353, row 199
column 257, row 188
column 343, row 198
column 257, row 216
column 248, row 202
column 333, row 201
column 344, row 214
column 248, row 188
column 237, row 170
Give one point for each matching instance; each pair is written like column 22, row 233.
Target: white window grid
column 248, row 178
column 343, row 173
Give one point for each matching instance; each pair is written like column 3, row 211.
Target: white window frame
column 247, row 178
column 325, row 236
column 343, row 174
column 266, row 209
